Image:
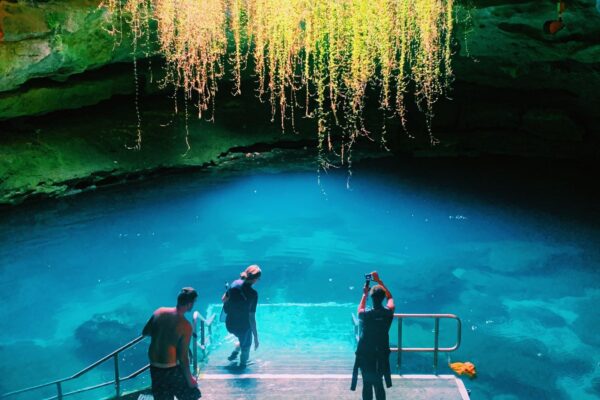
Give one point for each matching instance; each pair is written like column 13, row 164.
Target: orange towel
column 465, row 368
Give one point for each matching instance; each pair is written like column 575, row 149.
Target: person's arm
column 147, row 331
column 363, row 300
column 390, row 303
column 252, row 318
column 225, row 297
column 182, row 354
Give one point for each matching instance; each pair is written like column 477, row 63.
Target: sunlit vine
column 324, row 56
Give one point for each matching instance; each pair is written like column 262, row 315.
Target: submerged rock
column 523, row 366
column 103, row 334
column 595, row 390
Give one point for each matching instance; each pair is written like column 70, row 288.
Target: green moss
column 47, row 99
column 56, row 20
column 53, row 153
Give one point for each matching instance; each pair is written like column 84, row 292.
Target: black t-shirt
column 375, row 337
column 242, row 301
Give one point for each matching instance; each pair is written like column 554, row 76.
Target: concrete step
column 306, row 352
column 325, row 386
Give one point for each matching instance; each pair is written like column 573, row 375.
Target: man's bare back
column 168, row 352
column 170, row 333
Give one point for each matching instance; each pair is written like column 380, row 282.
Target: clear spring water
column 516, row 259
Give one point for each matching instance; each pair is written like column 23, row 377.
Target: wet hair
column 252, row 272
column 377, row 295
column 186, row 296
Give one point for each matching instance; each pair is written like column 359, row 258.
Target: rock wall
column 502, row 44
column 518, row 91
column 553, row 81
column 72, row 151
column 44, row 44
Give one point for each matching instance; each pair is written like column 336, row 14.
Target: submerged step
column 294, row 338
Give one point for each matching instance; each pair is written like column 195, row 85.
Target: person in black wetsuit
column 373, row 350
column 239, row 303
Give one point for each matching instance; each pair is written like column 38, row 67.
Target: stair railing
column 436, row 337
column 205, row 335
column 203, row 343
column 436, row 349
column 117, row 381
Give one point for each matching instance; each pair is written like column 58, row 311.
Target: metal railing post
column 206, row 324
column 436, row 349
column 202, row 334
column 399, row 360
column 195, row 354
column 436, row 344
column 195, row 348
column 117, row 379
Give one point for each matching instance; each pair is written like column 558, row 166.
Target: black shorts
column 169, row 382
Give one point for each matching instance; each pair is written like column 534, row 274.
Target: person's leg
column 160, row 383
column 234, row 354
column 381, row 365
column 379, row 389
column 367, row 391
column 161, row 396
column 245, row 344
column 367, row 369
column 181, row 388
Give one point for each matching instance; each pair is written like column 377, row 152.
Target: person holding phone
column 373, row 350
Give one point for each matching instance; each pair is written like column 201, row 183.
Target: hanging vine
column 330, row 53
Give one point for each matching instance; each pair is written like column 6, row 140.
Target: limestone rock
column 55, row 40
column 528, row 94
column 554, row 124
column 72, row 95
column 503, row 45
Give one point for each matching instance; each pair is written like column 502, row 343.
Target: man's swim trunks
column 169, row 382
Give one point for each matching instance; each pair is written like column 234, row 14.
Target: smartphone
column 368, row 277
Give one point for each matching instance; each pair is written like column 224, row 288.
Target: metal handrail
column 204, row 323
column 435, row 349
column 128, row 377
column 59, row 382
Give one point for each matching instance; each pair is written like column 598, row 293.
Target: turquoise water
column 517, row 259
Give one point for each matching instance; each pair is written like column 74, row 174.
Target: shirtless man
column 168, row 352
